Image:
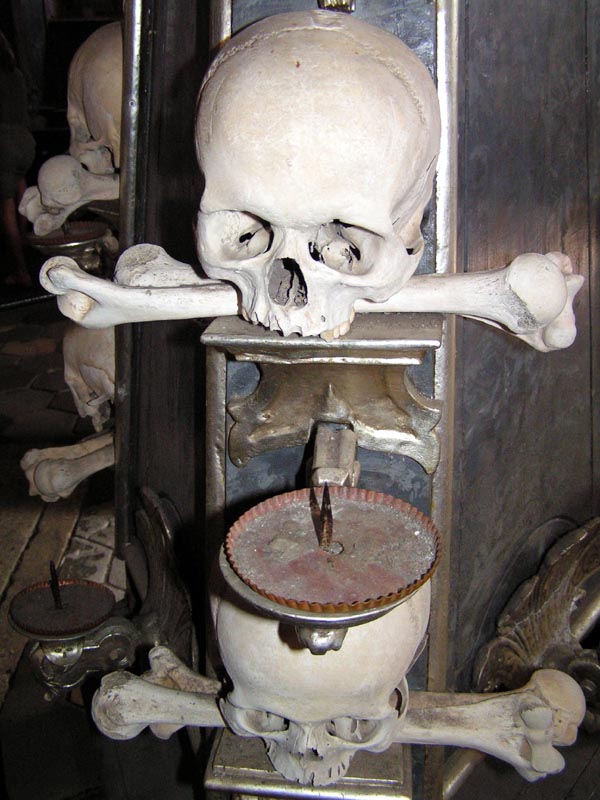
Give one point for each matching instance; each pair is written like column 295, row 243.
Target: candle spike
column 326, row 519
column 55, row 586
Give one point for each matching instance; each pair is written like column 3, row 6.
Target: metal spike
column 326, row 520
column 55, row 586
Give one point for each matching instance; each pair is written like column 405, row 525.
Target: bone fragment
column 54, row 472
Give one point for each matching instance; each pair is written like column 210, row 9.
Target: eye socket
column 235, row 235
column 254, row 236
column 339, row 246
column 352, row 730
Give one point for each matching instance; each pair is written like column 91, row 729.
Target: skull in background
column 94, row 100
column 317, row 135
column 315, row 711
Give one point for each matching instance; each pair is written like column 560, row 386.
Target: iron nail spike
column 326, row 519
column 315, row 511
column 55, row 586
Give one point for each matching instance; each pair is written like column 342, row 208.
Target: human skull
column 315, row 711
column 315, row 753
column 317, row 135
column 94, row 100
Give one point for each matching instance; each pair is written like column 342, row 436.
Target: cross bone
column 64, row 185
column 55, row 472
column 531, row 298
column 521, row 727
column 89, row 371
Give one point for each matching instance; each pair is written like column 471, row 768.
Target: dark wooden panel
column 162, row 375
column 524, row 418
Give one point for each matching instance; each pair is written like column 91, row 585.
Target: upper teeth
column 339, row 330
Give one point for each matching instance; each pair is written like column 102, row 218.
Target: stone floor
column 50, row 747
column 37, row 410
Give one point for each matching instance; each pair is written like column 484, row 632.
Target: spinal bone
column 318, row 136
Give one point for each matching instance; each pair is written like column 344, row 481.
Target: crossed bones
column 531, row 298
column 527, row 723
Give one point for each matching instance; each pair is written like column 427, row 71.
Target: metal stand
column 241, row 766
column 359, row 383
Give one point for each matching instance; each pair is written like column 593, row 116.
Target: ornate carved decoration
column 381, row 404
column 536, row 628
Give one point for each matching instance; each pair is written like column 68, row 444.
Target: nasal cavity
column 286, row 283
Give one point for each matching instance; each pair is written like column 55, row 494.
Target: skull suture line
column 318, row 136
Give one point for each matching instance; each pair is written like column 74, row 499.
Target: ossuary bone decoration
column 90, row 170
column 318, row 135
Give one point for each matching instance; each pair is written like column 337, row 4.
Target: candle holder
column 326, row 559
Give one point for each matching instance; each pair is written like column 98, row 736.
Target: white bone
column 326, row 208
column 125, row 705
column 64, row 186
column 168, row 697
column 89, row 371
column 310, row 235
column 520, row 727
column 98, row 303
column 532, row 297
column 94, row 100
column 94, row 117
column 54, row 472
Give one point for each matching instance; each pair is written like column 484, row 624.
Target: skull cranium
column 318, row 136
column 315, row 711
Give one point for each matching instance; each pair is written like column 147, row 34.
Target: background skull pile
column 318, row 136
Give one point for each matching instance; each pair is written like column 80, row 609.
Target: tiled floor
column 50, row 748
column 37, row 410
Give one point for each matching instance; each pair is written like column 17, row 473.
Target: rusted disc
column 85, row 606
column 387, row 549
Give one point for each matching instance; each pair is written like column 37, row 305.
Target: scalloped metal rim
column 368, row 495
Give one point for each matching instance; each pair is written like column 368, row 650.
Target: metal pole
column 129, row 231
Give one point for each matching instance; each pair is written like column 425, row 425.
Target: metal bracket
column 338, row 5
